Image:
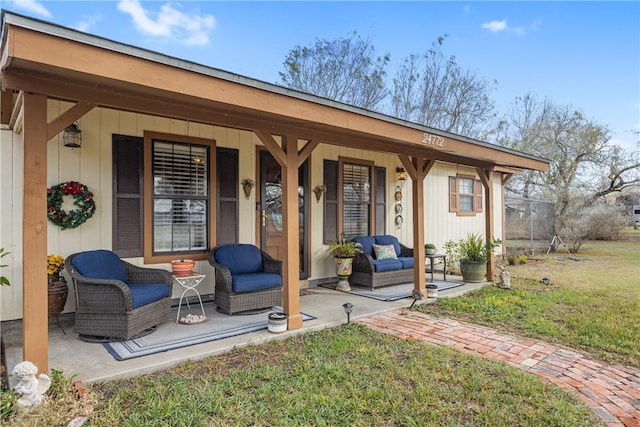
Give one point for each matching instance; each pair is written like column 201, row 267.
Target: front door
column 270, row 210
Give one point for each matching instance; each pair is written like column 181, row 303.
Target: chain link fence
column 529, row 225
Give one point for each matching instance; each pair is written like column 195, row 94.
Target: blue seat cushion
column 100, row 264
column 145, row 293
column 255, row 281
column 387, row 265
column 407, row 262
column 366, row 242
column 386, row 239
column 240, row 258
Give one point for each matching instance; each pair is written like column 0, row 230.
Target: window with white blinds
column 465, row 194
column 180, row 197
column 356, row 199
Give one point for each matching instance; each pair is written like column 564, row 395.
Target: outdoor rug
column 172, row 335
column 392, row 293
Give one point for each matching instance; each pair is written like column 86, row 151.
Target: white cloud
column 495, row 26
column 169, row 22
column 87, row 23
column 32, row 6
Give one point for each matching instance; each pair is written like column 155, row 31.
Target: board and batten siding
column 92, row 165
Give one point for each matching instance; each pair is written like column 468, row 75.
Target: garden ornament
column 31, row 387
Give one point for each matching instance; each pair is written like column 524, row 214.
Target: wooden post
column 291, row 226
column 418, row 170
column 34, row 233
column 486, row 176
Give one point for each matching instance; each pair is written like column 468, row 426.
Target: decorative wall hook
column 319, row 190
column 247, row 186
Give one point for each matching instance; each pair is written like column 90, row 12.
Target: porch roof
column 61, row 63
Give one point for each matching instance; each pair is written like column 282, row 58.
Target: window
column 179, row 215
column 134, row 213
column 465, row 195
column 359, row 204
column 180, row 197
column 356, row 199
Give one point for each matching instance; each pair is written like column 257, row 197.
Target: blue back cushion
column 100, row 264
column 240, row 258
column 366, row 242
column 386, row 239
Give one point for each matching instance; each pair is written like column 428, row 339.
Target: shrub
column 522, row 259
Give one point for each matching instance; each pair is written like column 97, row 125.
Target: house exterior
column 166, row 145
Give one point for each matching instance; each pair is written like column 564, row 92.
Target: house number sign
column 430, row 139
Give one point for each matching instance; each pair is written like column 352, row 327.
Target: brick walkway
column 612, row 392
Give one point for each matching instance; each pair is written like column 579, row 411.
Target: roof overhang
column 65, row 64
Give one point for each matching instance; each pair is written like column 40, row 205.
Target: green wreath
column 83, row 199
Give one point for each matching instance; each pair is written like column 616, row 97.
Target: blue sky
column 584, row 54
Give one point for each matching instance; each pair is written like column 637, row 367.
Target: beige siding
column 92, row 165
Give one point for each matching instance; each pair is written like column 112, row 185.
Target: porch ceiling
column 64, row 64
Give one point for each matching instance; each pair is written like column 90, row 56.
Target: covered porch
column 98, row 79
column 91, row 362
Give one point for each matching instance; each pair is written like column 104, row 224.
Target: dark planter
column 473, row 271
column 58, row 292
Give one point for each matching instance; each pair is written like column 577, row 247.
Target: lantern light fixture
column 401, row 173
column 72, row 136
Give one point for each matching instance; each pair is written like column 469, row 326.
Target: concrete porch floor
column 90, row 362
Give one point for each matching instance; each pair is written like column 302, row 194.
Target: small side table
column 189, row 283
column 432, row 259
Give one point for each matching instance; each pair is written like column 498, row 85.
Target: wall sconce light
column 348, row 308
column 401, row 174
column 72, row 136
column 247, row 186
column 319, row 190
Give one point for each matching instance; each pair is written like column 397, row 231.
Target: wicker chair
column 247, row 278
column 117, row 300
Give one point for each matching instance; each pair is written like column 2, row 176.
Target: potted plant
column 58, row 289
column 430, row 248
column 344, row 253
column 474, row 253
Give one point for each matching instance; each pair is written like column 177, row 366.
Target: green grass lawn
column 592, row 304
column 352, row 376
column 342, row 376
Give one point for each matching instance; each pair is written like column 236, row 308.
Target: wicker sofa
column 247, row 278
column 117, row 300
column 372, row 272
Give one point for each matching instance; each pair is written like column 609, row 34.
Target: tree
column 344, row 70
column 584, row 165
column 433, row 90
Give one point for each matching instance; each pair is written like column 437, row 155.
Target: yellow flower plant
column 55, row 264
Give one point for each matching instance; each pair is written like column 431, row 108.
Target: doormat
column 394, row 292
column 172, row 335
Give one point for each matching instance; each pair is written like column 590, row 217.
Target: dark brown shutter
column 330, row 201
column 453, row 194
column 227, row 177
column 127, row 196
column 381, row 199
column 478, row 196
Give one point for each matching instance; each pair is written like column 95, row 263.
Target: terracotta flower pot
column 182, row 267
